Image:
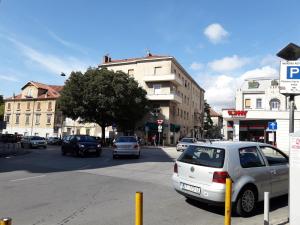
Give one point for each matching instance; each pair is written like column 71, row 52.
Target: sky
column 220, row 43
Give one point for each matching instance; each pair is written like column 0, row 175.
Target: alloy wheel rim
column 248, row 200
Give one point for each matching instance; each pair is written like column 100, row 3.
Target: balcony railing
column 167, row 77
column 171, row 96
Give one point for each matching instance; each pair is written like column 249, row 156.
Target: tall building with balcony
column 177, row 98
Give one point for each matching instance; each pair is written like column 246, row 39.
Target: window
column 181, row 113
column 49, row 106
column 274, row 156
column 49, row 118
column 69, row 131
column 274, row 104
column 38, row 107
column 17, row 118
column 175, row 72
column 7, row 118
column 247, row 103
column 27, row 118
column 87, row 131
column 8, row 106
column 131, row 72
column 157, row 70
column 250, row 157
column 18, row 106
column 258, row 103
column 28, row 105
column 178, row 112
column 204, row 156
column 187, row 115
column 37, row 118
column 157, row 89
column 77, row 131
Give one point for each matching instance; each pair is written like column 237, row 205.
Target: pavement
column 45, row 188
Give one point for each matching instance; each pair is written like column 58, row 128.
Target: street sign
column 272, row 126
column 289, row 77
column 159, row 122
column 159, row 128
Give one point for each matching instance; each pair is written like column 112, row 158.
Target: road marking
column 27, row 178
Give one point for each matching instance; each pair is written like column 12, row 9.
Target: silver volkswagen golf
column 200, row 173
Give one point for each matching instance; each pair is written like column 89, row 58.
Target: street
column 44, row 187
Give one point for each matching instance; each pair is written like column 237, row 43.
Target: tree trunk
column 103, row 134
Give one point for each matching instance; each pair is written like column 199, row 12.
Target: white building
column 259, row 102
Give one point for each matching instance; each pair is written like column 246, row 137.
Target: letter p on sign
column 293, row 72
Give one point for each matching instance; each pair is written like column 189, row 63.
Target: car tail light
column 220, row 177
column 136, row 146
column 175, row 168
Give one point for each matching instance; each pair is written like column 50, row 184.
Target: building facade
column 177, row 98
column 258, row 103
column 33, row 111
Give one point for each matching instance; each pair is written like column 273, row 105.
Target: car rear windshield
column 37, row 138
column 85, row 138
column 203, row 156
column 126, row 139
column 189, row 140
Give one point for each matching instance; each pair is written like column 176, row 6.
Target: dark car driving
column 80, row 145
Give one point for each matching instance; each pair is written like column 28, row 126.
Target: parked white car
column 201, row 171
column 184, row 143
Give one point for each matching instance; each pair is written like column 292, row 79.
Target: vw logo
column 192, row 169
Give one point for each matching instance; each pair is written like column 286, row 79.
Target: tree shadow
column 51, row 160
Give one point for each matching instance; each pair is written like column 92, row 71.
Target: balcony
column 158, row 78
column 172, row 96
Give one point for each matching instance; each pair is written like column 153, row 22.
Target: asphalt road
column 45, row 188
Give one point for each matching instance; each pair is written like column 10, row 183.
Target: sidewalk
column 7, row 149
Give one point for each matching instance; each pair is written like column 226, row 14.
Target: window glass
column 131, row 72
column 157, row 89
column 126, row 139
column 27, row 118
column 247, row 103
column 49, row 119
column 250, row 157
column 258, row 103
column 204, row 156
column 188, row 140
column 274, row 156
column 275, row 104
column 17, row 118
column 157, row 70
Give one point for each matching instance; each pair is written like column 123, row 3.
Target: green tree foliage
column 1, row 108
column 208, row 123
column 104, row 97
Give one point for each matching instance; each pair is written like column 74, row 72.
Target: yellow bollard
column 228, row 202
column 138, row 208
column 5, row 221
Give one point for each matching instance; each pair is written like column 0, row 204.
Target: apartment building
column 177, row 98
column 259, row 102
column 33, row 111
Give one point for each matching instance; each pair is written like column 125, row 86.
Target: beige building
column 178, row 99
column 34, row 112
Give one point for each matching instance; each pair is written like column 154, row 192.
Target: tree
column 104, row 97
column 208, row 123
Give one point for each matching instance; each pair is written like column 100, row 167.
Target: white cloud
column 9, row 78
column 228, row 63
column 215, row 33
column 221, row 93
column 52, row 63
column 270, row 60
column 196, row 66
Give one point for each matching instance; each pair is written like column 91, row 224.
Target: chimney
column 105, row 59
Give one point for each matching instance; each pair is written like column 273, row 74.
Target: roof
column 230, row 144
column 213, row 113
column 50, row 91
column 149, row 56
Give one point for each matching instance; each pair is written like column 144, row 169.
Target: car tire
column 77, row 153
column 138, row 156
column 30, row 146
column 45, row 146
column 22, row 145
column 114, row 156
column 246, row 202
column 98, row 153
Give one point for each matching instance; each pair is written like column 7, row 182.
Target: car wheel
column 138, row 156
column 63, row 152
column 45, row 146
column 22, row 145
column 246, row 202
column 114, row 156
column 77, row 153
column 30, row 146
column 98, row 153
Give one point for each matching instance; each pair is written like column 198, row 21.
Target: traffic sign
column 160, row 121
column 272, row 126
column 289, row 77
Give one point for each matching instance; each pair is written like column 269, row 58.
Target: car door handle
column 273, row 172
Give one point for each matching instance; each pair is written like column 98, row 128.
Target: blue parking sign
column 293, row 72
column 272, row 126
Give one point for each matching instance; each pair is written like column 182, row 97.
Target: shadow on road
column 275, row 203
column 50, row 160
